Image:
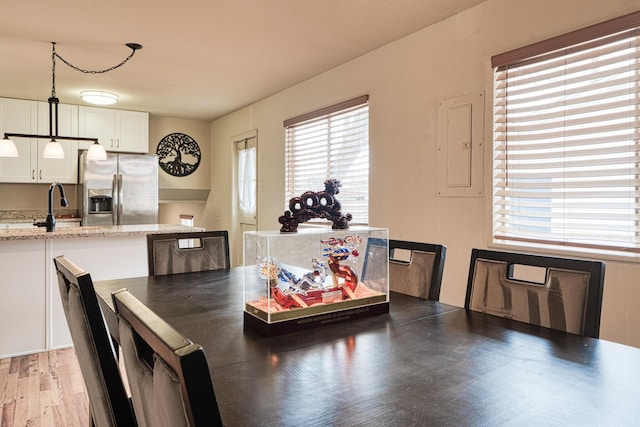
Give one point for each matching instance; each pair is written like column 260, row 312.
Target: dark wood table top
column 425, row 363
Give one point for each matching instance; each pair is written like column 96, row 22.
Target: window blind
column 331, row 143
column 566, row 145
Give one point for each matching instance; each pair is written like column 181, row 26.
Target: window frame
column 535, row 53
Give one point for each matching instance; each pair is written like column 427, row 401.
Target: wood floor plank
column 33, row 392
column 45, row 374
column 4, row 375
column 46, row 408
column 8, row 409
column 20, row 414
column 14, row 364
column 9, row 400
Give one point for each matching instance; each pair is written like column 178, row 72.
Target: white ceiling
column 201, row 59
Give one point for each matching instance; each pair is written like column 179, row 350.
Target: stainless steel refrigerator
column 121, row 190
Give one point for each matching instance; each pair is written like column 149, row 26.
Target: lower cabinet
column 31, row 311
column 103, row 258
column 23, row 297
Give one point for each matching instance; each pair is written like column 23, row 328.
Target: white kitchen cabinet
column 32, row 117
column 30, row 306
column 23, row 294
column 116, row 130
column 18, row 116
column 31, row 166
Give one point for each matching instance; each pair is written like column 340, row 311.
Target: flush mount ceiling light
column 53, row 149
column 98, row 97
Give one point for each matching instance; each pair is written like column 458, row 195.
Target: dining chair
column 557, row 293
column 168, row 374
column 108, row 401
column 415, row 268
column 173, row 253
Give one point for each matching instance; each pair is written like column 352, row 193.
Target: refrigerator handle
column 115, row 196
column 120, row 199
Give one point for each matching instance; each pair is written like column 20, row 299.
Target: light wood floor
column 43, row 389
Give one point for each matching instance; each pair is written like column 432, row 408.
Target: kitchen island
column 31, row 315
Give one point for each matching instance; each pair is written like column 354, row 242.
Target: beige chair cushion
column 155, row 390
column 413, row 277
column 560, row 303
column 101, row 410
column 168, row 258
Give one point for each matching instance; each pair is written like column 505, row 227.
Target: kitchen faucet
column 50, row 222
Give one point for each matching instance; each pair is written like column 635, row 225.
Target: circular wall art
column 178, row 154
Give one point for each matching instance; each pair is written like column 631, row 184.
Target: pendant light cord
column 53, row 100
column 133, row 46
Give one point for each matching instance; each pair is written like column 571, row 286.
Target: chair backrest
column 109, row 403
column 416, row 268
column 168, row 374
column 557, row 293
column 173, row 253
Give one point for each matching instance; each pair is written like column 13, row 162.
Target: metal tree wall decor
column 178, row 154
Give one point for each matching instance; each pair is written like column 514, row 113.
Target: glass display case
column 316, row 276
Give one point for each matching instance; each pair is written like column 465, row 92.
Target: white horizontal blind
column 335, row 145
column 566, row 146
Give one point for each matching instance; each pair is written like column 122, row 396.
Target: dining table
column 425, row 363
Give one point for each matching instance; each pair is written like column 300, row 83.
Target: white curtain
column 247, row 180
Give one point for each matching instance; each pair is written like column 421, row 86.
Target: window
column 567, row 139
column 331, row 143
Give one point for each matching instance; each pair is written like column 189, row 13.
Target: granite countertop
column 93, row 231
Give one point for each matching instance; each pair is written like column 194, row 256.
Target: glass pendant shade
column 8, row 148
column 98, row 97
column 96, row 152
column 53, row 150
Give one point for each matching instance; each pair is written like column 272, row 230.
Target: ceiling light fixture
column 8, row 147
column 53, row 149
column 98, row 97
column 96, row 152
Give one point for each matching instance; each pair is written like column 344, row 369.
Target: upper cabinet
column 31, row 117
column 18, row 116
column 116, row 130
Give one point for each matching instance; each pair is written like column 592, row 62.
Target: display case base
column 314, row 321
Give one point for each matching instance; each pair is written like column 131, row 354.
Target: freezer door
column 137, row 189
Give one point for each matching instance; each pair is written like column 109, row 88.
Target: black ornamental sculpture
column 311, row 204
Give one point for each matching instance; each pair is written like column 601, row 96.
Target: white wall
column 405, row 80
column 172, row 188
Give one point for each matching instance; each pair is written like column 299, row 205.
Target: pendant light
column 96, row 152
column 8, row 147
column 53, row 150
